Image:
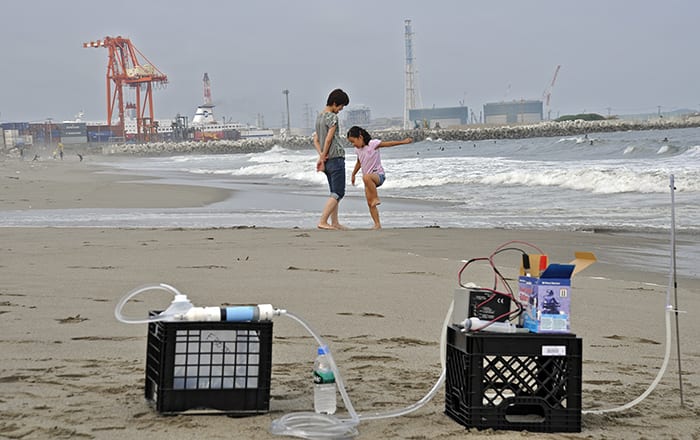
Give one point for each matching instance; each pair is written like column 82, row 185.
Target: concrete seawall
column 543, row 129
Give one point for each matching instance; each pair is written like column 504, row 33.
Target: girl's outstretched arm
column 384, row 144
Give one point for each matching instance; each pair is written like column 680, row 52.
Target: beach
column 69, row 369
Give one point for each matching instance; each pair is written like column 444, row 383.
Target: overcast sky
column 616, row 57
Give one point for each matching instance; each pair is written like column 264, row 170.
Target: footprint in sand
column 632, row 339
column 72, row 319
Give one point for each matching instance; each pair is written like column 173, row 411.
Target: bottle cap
column 323, row 349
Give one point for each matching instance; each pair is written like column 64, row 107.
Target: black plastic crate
column 514, row 381
column 222, row 367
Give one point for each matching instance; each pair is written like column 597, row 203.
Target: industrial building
column 441, row 117
column 514, row 112
column 359, row 115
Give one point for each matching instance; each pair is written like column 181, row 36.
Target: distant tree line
column 582, row 116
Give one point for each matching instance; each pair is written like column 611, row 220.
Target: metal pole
column 286, row 93
column 675, row 286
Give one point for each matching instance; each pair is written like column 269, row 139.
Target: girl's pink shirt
column 370, row 160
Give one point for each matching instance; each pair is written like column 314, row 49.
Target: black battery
column 487, row 305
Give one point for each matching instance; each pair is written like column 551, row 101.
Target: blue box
column 546, row 300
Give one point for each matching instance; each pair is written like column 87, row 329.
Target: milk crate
column 514, row 381
column 209, row 367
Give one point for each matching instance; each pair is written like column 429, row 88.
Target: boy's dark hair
column 357, row 132
column 338, row 97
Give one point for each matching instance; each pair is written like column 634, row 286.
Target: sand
column 69, row 369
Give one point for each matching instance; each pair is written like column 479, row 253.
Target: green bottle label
column 323, row 377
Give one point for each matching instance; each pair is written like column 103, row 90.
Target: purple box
column 546, row 300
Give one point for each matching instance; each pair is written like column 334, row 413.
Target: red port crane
column 125, row 69
column 548, row 92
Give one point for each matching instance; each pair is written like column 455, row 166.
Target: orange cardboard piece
column 582, row 261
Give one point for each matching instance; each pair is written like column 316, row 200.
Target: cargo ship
column 206, row 127
column 203, row 126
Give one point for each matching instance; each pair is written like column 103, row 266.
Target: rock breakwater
column 542, row 129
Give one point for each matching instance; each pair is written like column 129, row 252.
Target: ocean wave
column 664, row 149
column 692, row 152
column 596, row 181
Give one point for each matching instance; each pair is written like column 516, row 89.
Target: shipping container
column 23, row 140
column 208, row 135
column 49, row 137
column 11, row 138
column 21, row 127
column 73, row 129
column 100, row 136
column 72, row 140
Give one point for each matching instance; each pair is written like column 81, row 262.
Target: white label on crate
column 554, row 350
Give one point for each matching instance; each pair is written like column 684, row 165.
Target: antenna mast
column 410, row 93
column 207, row 89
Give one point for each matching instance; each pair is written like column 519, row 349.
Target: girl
column 369, row 160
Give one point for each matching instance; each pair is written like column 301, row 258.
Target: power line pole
column 50, row 134
column 289, row 127
column 307, row 118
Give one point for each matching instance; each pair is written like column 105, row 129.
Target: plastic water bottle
column 324, row 384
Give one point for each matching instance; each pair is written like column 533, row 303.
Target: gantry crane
column 548, row 92
column 125, row 69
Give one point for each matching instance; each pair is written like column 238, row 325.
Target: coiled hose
column 322, row 426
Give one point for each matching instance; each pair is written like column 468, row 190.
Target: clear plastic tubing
column 322, row 426
column 318, row 426
column 303, row 424
column 669, row 310
column 656, row 381
column 139, row 290
column 312, row 425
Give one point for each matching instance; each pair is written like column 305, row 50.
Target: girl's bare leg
column 371, row 181
column 374, row 213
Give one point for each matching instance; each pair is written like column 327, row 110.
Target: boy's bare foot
column 325, row 226
column 376, row 227
column 339, row 227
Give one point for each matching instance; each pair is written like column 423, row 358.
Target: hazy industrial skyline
column 616, row 57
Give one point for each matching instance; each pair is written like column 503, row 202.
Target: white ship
column 204, row 124
column 204, row 121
